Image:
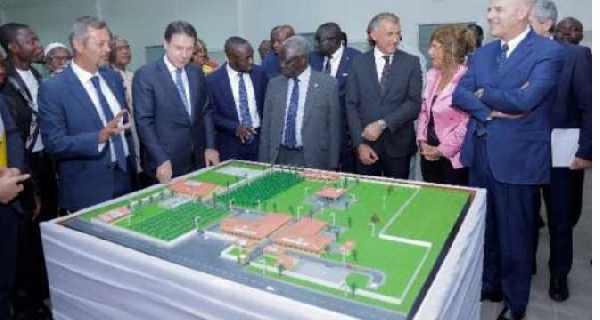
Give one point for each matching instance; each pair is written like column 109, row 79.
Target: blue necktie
column 116, row 141
column 290, row 122
column 504, row 54
column 181, row 89
column 327, row 68
column 387, row 68
column 244, row 109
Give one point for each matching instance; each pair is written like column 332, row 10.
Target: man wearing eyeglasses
column 301, row 117
column 56, row 58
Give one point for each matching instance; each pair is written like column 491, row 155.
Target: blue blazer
column 223, row 108
column 518, row 149
column 573, row 107
column 69, row 125
column 165, row 129
column 316, row 62
column 271, row 65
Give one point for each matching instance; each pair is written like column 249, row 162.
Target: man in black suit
column 572, row 109
column 23, row 48
column 383, row 98
column 10, row 209
column 169, row 99
column 333, row 58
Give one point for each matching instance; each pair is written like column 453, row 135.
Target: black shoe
column 559, row 289
column 493, row 296
column 506, row 314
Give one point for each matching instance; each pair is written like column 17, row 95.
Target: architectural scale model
column 371, row 245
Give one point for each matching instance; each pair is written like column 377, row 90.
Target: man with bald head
column 278, row 35
column 301, row 124
column 236, row 94
column 572, row 109
column 508, row 91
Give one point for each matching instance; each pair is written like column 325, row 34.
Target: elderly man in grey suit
column 301, row 123
column 383, row 97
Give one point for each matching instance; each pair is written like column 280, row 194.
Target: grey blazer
column 399, row 105
column 321, row 131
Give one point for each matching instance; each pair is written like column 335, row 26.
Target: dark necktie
column 327, row 68
column 244, row 109
column 116, row 141
column 181, row 89
column 290, row 121
column 385, row 74
column 504, row 53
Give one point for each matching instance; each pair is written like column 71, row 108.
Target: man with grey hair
column 84, row 122
column 383, row 98
column 572, row 109
column 301, row 123
column 508, row 94
column 542, row 17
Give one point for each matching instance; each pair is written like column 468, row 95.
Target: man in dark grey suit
column 301, row 123
column 383, row 97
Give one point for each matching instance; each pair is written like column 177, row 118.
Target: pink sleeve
column 454, row 140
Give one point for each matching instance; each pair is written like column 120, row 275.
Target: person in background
column 3, row 73
column 478, row 32
column 441, row 128
column 572, row 109
column 56, row 58
column 332, row 58
column 264, row 49
column 569, row 30
column 200, row 58
column 278, row 35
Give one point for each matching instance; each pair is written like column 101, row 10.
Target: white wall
column 142, row 22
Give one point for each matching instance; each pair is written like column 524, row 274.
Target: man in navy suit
column 169, row 99
column 572, row 109
column 508, row 92
column 11, row 181
column 331, row 57
column 278, row 35
column 236, row 94
column 82, row 113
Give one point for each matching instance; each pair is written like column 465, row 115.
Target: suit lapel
column 394, row 72
column 193, row 82
column 373, row 70
column 313, row 86
column 81, row 94
column 520, row 52
column 343, row 65
column 110, row 82
column 257, row 89
column 281, row 100
column 169, row 86
column 224, row 83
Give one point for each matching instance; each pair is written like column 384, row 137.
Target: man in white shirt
column 236, row 94
column 84, row 122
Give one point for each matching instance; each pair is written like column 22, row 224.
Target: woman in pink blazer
column 441, row 128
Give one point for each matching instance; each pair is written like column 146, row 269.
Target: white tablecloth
column 92, row 278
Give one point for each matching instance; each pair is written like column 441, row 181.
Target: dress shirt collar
column 232, row 73
column 513, row 43
column 337, row 55
column 82, row 75
column 170, row 66
column 303, row 77
column 379, row 55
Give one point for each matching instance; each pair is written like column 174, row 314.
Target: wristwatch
column 382, row 124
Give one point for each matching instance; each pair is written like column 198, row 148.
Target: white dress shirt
column 234, row 80
column 86, row 80
column 186, row 82
column 336, row 58
column 380, row 62
column 32, row 85
column 512, row 44
column 303, row 78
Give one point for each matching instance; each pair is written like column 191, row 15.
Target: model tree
column 349, row 220
column 280, row 268
column 353, row 288
column 355, row 255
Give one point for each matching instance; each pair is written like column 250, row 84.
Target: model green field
column 375, row 210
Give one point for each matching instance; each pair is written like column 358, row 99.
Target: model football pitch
column 373, row 241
